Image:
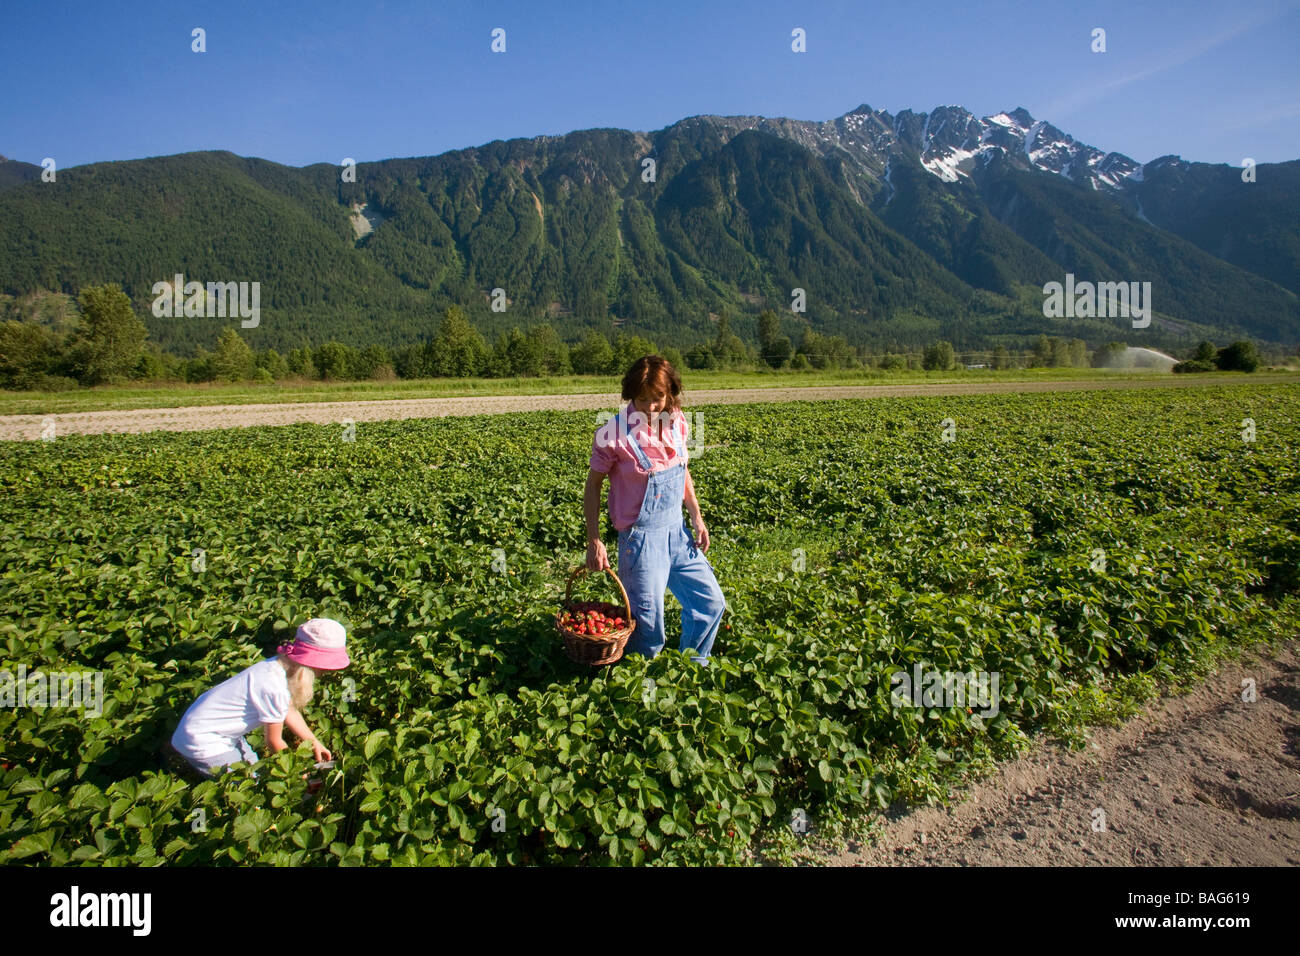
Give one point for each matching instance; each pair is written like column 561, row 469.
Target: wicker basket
column 595, row 649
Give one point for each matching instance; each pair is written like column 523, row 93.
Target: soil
column 200, row 418
column 1199, row 779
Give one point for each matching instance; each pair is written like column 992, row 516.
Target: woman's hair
column 302, row 681
column 655, row 375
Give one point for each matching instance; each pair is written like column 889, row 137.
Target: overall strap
column 636, row 447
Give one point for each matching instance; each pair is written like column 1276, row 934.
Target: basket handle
column 580, row 569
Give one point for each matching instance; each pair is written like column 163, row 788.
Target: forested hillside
column 895, row 239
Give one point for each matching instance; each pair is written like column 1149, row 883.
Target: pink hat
column 319, row 643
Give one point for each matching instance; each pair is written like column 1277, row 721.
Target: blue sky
column 312, row 82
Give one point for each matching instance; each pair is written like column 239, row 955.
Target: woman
column 643, row 452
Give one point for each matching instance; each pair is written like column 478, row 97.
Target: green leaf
column 32, row 844
column 374, row 742
column 458, row 789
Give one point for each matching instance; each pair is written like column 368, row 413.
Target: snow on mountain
column 947, row 166
column 951, row 142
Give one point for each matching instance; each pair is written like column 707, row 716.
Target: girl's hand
column 320, row 752
column 597, row 556
column 701, row 535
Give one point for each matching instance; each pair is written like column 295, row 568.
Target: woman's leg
column 696, row 588
column 643, row 560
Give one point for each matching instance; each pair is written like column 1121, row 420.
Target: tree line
column 108, row 343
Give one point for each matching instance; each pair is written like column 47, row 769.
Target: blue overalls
column 659, row 551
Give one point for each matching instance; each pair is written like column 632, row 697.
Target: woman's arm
column 697, row 520
column 692, row 505
column 591, row 503
column 597, row 557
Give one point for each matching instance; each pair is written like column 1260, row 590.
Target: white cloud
column 1175, row 58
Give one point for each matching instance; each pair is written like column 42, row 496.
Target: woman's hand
column 320, row 752
column 597, row 557
column 701, row 535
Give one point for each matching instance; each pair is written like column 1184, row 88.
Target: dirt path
column 203, row 417
column 1202, row 779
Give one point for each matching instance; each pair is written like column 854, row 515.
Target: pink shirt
column 611, row 454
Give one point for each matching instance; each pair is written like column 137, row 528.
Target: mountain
column 899, row 229
column 12, row 172
column 1253, row 225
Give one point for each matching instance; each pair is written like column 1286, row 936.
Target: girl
column 271, row 693
column 643, row 452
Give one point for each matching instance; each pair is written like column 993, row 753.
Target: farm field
column 207, row 417
column 1085, row 547
column 139, row 396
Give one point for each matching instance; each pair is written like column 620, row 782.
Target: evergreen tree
column 516, row 355
column 458, row 350
column 232, row 359
column 554, row 354
column 728, row 347
column 774, row 347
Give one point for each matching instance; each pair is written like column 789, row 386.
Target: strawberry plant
column 1085, row 547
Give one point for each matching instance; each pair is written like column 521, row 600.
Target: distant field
column 336, row 412
column 181, row 395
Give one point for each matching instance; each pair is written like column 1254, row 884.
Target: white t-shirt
column 256, row 695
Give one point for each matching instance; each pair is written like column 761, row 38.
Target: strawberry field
column 1085, row 547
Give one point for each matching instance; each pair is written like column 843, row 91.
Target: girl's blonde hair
column 302, row 682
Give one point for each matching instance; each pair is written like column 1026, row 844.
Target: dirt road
column 199, row 418
column 1201, row 779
